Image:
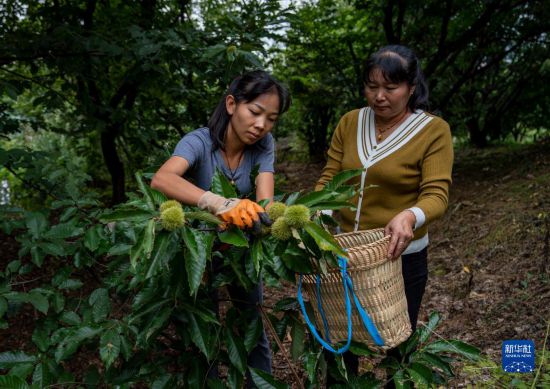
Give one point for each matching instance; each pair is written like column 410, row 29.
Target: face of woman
column 252, row 120
column 387, row 99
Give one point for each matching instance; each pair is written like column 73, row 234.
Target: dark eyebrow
column 263, row 109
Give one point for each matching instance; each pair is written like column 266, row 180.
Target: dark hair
column 397, row 64
column 245, row 88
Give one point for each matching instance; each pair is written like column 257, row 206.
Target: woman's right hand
column 400, row 230
column 240, row 213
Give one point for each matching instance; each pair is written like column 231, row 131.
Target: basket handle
column 343, row 270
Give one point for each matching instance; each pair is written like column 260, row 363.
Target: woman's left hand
column 400, row 229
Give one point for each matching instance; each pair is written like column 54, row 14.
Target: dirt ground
column 489, row 259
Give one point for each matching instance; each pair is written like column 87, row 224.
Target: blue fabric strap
column 343, row 270
column 348, row 288
column 367, row 322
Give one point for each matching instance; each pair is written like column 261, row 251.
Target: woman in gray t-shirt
column 237, row 139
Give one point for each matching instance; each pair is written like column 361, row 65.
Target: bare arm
column 265, row 186
column 168, row 180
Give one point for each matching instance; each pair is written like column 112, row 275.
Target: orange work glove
column 241, row 213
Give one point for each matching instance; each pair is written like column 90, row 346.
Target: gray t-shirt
column 196, row 148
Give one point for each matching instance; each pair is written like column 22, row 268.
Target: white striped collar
column 369, row 151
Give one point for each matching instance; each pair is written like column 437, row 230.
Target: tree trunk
column 477, row 137
column 114, row 165
column 318, row 132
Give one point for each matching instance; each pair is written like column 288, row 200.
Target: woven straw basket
column 378, row 284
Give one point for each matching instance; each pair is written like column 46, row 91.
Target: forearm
column 265, row 186
column 176, row 187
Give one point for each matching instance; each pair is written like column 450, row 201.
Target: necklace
column 232, row 172
column 382, row 130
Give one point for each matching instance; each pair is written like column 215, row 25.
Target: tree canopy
column 121, row 77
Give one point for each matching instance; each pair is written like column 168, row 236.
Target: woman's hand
column 400, row 229
column 241, row 213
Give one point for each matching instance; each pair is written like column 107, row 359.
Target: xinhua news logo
column 518, row 356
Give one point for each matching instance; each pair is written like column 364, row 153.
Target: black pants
column 415, row 276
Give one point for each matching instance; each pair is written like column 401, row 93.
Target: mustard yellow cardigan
column 411, row 168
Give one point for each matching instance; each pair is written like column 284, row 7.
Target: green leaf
column 253, row 332
column 410, row 344
column 264, row 380
column 146, row 191
column 40, row 338
column 10, row 359
column 286, row 304
column 55, row 249
column 311, row 360
column 129, row 215
column 70, row 344
column 161, row 254
column 233, row 236
column 37, row 256
column 58, row 302
column 12, row 382
column 71, row 284
column 341, row 366
column 296, row 259
column 257, row 255
column 358, row 348
column 215, row 384
column 119, row 249
column 157, row 323
column 70, row 318
column 236, row 351
column 39, row 301
column 323, row 238
column 204, row 313
column 109, row 347
column 202, row 216
column 158, row 197
column 235, row 378
column 36, row 223
column 434, row 361
column 22, row 371
column 93, row 237
column 163, row 382
column 144, row 244
column 426, row 331
column 149, row 238
column 420, row 375
column 298, row 335
column 13, row 266
column 63, row 231
column 455, row 347
column 235, row 261
column 101, row 304
column 199, row 247
column 312, row 198
column 201, row 335
column 125, row 347
column 342, row 177
column 140, row 311
column 221, row 185
column 331, row 205
column 42, row 376
column 400, row 381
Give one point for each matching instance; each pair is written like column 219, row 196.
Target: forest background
column 93, row 91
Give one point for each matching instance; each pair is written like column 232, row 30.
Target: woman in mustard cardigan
column 407, row 157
